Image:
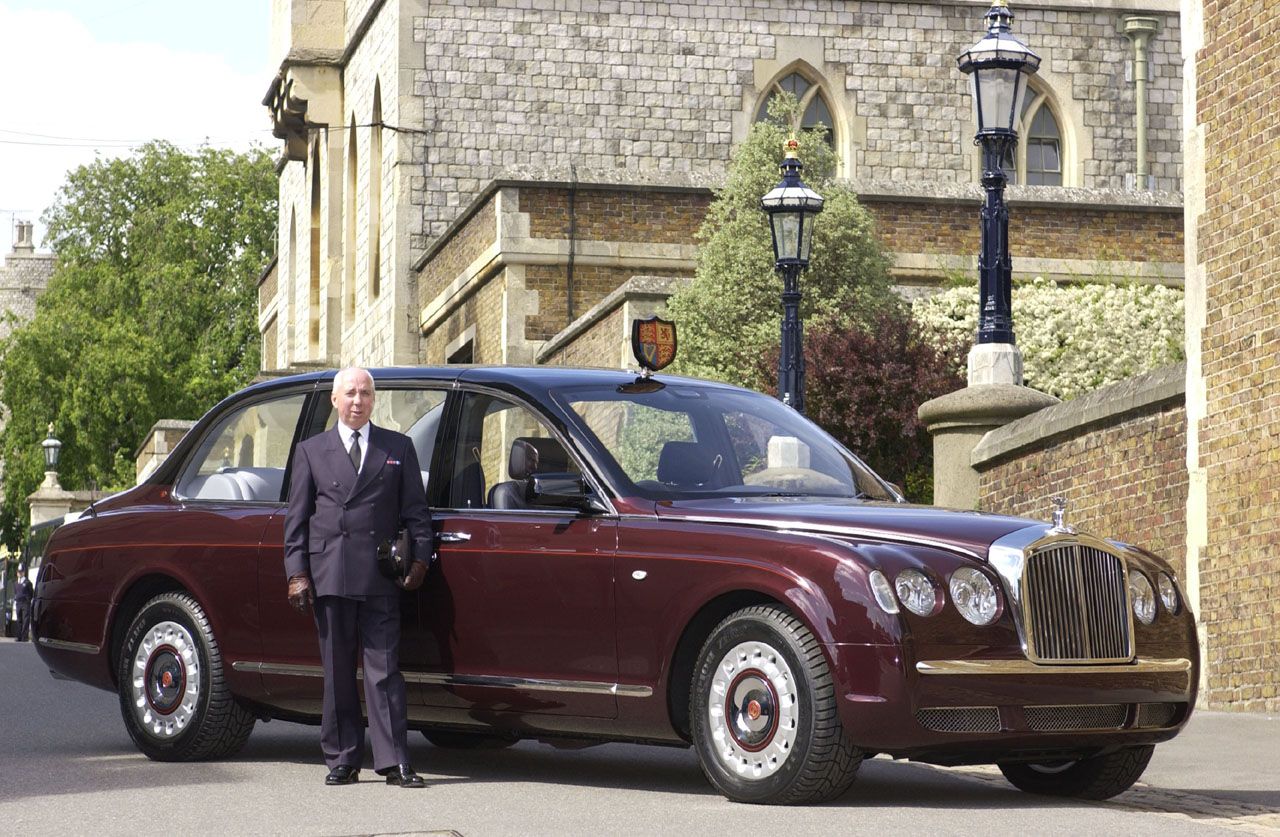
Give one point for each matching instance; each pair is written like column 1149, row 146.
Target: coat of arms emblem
column 653, row 342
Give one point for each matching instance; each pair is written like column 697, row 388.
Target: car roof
column 527, row 378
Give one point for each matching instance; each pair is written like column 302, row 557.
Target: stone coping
column 1144, row 393
column 877, row 191
column 637, row 286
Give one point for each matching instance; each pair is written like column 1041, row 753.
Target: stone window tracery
column 815, row 110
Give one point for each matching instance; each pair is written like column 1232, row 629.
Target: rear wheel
column 1100, row 777
column 175, row 702
column 763, row 708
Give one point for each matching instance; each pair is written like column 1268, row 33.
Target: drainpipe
column 1139, row 30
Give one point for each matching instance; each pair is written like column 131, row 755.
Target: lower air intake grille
column 1157, row 714
column 960, row 719
column 1060, row 718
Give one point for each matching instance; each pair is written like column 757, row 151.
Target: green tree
column 150, row 313
column 730, row 313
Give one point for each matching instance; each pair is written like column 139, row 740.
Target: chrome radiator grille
column 1076, row 605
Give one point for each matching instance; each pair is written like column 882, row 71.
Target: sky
column 83, row 78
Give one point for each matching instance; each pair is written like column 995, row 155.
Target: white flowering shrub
column 1074, row 338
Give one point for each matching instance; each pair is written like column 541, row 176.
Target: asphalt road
column 67, row 766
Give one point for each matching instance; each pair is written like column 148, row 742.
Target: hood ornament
column 1060, row 515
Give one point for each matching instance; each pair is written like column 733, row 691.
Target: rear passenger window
column 243, row 457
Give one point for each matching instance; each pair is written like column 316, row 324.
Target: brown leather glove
column 417, row 573
column 300, row 592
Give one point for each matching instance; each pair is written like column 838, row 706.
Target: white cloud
column 58, row 81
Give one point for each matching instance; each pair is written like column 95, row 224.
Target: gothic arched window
column 1039, row 160
column 815, row 112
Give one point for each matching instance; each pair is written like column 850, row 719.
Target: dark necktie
column 355, row 451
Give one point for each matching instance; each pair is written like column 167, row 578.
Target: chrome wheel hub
column 165, row 682
column 753, row 710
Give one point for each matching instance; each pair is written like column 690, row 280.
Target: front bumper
column 975, row 710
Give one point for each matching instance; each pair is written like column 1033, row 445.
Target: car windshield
column 684, row 440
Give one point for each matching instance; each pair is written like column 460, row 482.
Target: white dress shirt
column 345, row 432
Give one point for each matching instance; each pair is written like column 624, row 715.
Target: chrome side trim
column 807, row 529
column 990, row 667
column 591, row 687
column 63, row 645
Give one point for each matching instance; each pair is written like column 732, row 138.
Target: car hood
column 970, row 531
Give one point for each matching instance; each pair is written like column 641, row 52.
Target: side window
column 243, row 456
column 499, row 445
column 414, row 412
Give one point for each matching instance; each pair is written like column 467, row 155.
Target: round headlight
column 1168, row 592
column 1144, row 598
column 974, row 596
column 883, row 592
column 916, row 592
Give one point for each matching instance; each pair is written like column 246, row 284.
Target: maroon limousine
column 653, row 559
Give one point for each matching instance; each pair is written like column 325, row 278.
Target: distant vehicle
column 659, row 560
column 31, row 558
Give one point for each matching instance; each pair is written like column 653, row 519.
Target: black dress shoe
column 402, row 775
column 343, row 774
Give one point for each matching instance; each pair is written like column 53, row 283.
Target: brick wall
column 591, row 284
column 597, row 346
column 623, row 215
column 1125, row 480
column 464, row 246
column 1239, row 435
column 485, row 310
column 1060, row 232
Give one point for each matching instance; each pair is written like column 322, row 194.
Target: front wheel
column 763, row 707
column 175, row 702
column 1100, row 777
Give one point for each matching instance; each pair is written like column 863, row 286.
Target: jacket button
column 371, row 532
column 344, row 534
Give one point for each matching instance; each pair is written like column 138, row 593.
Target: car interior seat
column 688, row 465
column 529, row 455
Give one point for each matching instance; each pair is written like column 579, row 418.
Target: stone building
column 24, row 274
column 497, row 181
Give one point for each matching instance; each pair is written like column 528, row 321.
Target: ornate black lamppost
column 999, row 65
column 52, row 450
column 791, row 207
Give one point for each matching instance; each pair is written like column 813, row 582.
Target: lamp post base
column 995, row 363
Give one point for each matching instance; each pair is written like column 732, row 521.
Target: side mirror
column 561, row 491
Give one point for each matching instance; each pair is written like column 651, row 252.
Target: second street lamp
column 999, row 65
column 792, row 207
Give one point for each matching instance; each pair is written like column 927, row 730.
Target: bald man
column 354, row 487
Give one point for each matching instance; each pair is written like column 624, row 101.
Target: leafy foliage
column 730, row 313
column 863, row 385
column 150, row 313
column 1074, row 338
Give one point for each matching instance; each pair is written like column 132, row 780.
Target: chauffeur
column 353, row 487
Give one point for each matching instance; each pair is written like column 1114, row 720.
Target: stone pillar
column 50, row 500
column 958, row 421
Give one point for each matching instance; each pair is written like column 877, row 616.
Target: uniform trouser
column 348, row 627
column 24, row 623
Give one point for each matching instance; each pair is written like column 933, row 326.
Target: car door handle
column 454, row 537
